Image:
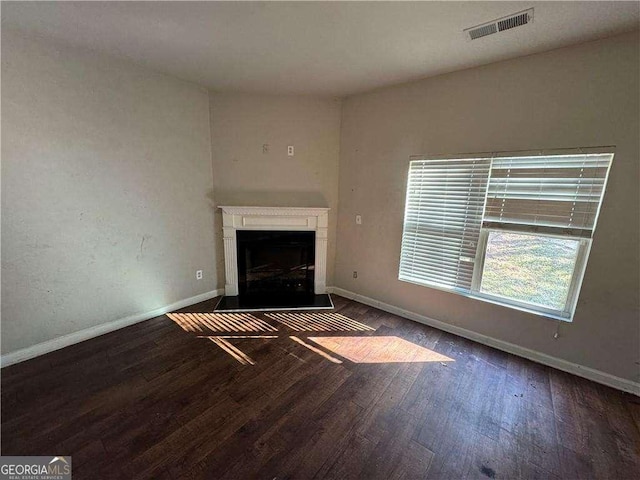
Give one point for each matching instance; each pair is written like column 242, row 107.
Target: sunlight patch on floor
column 236, row 353
column 221, row 322
column 387, row 349
column 239, row 336
column 319, row 322
column 315, row 350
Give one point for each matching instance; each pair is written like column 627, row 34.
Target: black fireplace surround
column 275, row 270
column 272, row 262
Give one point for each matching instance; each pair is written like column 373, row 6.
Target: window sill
column 492, row 300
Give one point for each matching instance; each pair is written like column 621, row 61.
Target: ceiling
column 317, row 48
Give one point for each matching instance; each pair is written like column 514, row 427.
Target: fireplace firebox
column 275, row 262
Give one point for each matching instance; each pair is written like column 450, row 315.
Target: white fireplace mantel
column 273, row 218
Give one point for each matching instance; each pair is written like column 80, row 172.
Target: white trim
column 275, row 211
column 605, row 149
column 88, row 333
column 579, row 265
column 558, row 363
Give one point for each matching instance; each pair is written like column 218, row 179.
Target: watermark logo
column 35, row 468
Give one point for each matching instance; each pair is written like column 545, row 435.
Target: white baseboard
column 558, row 363
column 82, row 335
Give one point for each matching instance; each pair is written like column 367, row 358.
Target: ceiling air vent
column 499, row 25
column 483, row 31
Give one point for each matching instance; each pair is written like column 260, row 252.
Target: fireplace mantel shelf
column 274, row 218
column 299, row 211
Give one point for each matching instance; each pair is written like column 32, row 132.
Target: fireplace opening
column 275, row 263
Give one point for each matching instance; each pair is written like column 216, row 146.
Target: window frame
column 582, row 254
column 579, row 266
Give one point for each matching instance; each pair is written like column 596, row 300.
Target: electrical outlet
column 198, row 274
column 358, row 219
column 355, row 274
column 290, row 150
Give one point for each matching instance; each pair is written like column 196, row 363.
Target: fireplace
column 275, row 258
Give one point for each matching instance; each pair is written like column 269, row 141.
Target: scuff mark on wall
column 140, row 256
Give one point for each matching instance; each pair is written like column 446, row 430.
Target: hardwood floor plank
column 414, row 463
column 349, row 463
column 389, row 452
column 313, row 457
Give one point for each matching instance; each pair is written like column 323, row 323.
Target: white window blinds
column 443, row 217
column 556, row 192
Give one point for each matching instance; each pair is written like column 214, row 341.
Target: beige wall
column 106, row 178
column 243, row 175
column 586, row 95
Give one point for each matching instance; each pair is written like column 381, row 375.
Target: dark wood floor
column 339, row 400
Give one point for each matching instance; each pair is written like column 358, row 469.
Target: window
column 514, row 230
column 531, row 269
